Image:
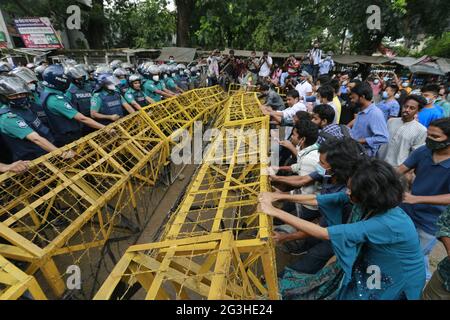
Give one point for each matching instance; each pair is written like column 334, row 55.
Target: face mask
column 32, row 86
column 434, row 145
column 171, row 61
column 181, row 72
column 166, row 76
column 397, row 96
column 405, row 84
column 111, row 87
column 123, row 81
column 345, row 83
column 385, row 95
column 198, row 74
column 385, row 79
column 155, row 78
column 429, row 100
column 376, row 81
column 322, row 171
column 20, row 103
column 173, row 75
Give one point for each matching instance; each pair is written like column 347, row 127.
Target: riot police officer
column 194, row 78
column 121, row 74
column 183, row 77
column 168, row 81
column 107, row 104
column 64, row 119
column 153, row 86
column 25, row 135
column 5, row 67
column 135, row 95
column 77, row 94
column 115, row 64
column 32, row 81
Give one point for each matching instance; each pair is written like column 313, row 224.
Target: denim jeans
column 427, row 243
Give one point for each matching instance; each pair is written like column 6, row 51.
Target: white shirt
column 315, row 55
column 404, row 138
column 288, row 115
column 303, row 88
column 307, row 160
column 265, row 69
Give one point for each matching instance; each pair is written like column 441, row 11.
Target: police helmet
column 115, row 64
column 153, row 69
column 120, row 72
column 181, row 66
column 25, row 74
column 55, row 78
column 39, row 71
column 5, row 67
column 11, row 84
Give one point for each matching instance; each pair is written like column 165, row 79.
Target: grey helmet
column 102, row 69
column 115, row 64
column 133, row 78
column 11, row 84
column 181, row 66
column 128, row 66
column 164, row 68
column 173, row 69
column 31, row 66
column 153, row 70
column 120, row 72
column 194, row 69
column 25, row 74
column 5, row 67
column 75, row 73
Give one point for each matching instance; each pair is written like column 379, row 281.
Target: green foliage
column 438, row 46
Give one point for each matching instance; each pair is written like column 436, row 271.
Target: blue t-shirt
column 426, row 116
column 431, row 179
column 387, row 242
column 390, row 108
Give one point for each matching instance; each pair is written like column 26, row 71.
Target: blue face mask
column 322, row 171
column 20, row 103
column 385, row 95
column 123, row 81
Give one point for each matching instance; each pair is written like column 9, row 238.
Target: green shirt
column 129, row 95
column 58, row 104
column 96, row 100
column 14, row 126
column 170, row 83
column 150, row 89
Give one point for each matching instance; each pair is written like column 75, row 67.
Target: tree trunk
column 96, row 25
column 184, row 10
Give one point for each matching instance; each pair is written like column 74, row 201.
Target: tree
column 184, row 12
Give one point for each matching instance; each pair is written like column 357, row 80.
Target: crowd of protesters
column 362, row 188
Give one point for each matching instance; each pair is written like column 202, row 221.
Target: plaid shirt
column 333, row 129
column 443, row 267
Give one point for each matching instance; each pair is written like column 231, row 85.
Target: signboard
column 37, row 33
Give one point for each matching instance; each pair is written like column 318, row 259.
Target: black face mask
column 434, row 145
column 20, row 102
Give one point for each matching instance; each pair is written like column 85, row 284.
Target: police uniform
column 107, row 103
column 136, row 95
column 15, row 125
column 80, row 99
column 123, row 86
column 60, row 113
column 150, row 88
column 36, row 106
column 170, row 83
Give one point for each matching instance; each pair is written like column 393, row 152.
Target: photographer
column 265, row 65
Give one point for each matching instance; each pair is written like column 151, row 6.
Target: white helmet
column 181, row 66
column 164, row 68
column 153, row 69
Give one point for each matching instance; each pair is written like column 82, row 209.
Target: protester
column 389, row 105
column 315, row 57
column 370, row 127
column 406, row 134
column 438, row 288
column 304, row 87
column 430, row 112
column 273, row 99
column 430, row 192
column 379, row 233
column 323, row 116
column 264, row 66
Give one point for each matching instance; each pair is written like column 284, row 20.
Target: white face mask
column 111, row 87
column 173, row 75
column 32, row 86
column 166, row 76
column 397, row 96
column 155, row 78
column 405, row 84
column 376, row 81
column 198, row 74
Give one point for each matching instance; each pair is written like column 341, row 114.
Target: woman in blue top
column 380, row 253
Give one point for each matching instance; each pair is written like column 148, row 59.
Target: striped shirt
column 404, row 138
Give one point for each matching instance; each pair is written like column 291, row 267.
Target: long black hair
column 343, row 155
column 376, row 187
